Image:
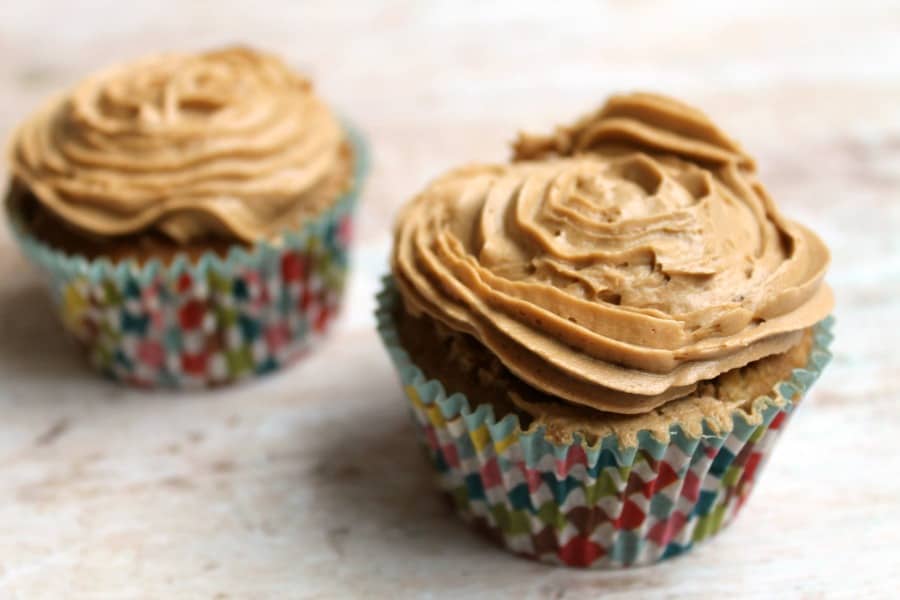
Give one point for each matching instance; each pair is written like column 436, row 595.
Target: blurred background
column 812, row 88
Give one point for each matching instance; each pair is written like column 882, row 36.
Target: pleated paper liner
column 600, row 505
column 211, row 321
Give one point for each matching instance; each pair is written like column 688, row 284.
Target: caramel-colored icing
column 616, row 263
column 229, row 143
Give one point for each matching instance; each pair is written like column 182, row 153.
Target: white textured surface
column 308, row 484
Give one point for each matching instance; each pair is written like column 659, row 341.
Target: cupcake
column 192, row 214
column 602, row 339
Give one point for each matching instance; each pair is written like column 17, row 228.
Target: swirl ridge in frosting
column 617, row 262
column 230, row 143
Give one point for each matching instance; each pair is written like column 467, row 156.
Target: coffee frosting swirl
column 617, row 262
column 229, row 143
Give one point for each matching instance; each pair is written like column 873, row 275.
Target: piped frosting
column 617, row 262
column 229, row 143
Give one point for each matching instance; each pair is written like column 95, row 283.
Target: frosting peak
column 229, row 143
column 617, row 262
column 640, row 121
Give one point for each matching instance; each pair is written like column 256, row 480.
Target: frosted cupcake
column 602, row 339
column 192, row 213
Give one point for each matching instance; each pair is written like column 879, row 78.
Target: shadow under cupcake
column 192, row 215
column 601, row 340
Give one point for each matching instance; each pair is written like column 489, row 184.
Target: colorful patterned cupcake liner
column 600, row 505
column 211, row 321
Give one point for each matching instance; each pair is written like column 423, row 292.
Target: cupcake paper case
column 592, row 505
column 602, row 339
column 209, row 317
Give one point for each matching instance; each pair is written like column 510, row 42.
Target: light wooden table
column 253, row 492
